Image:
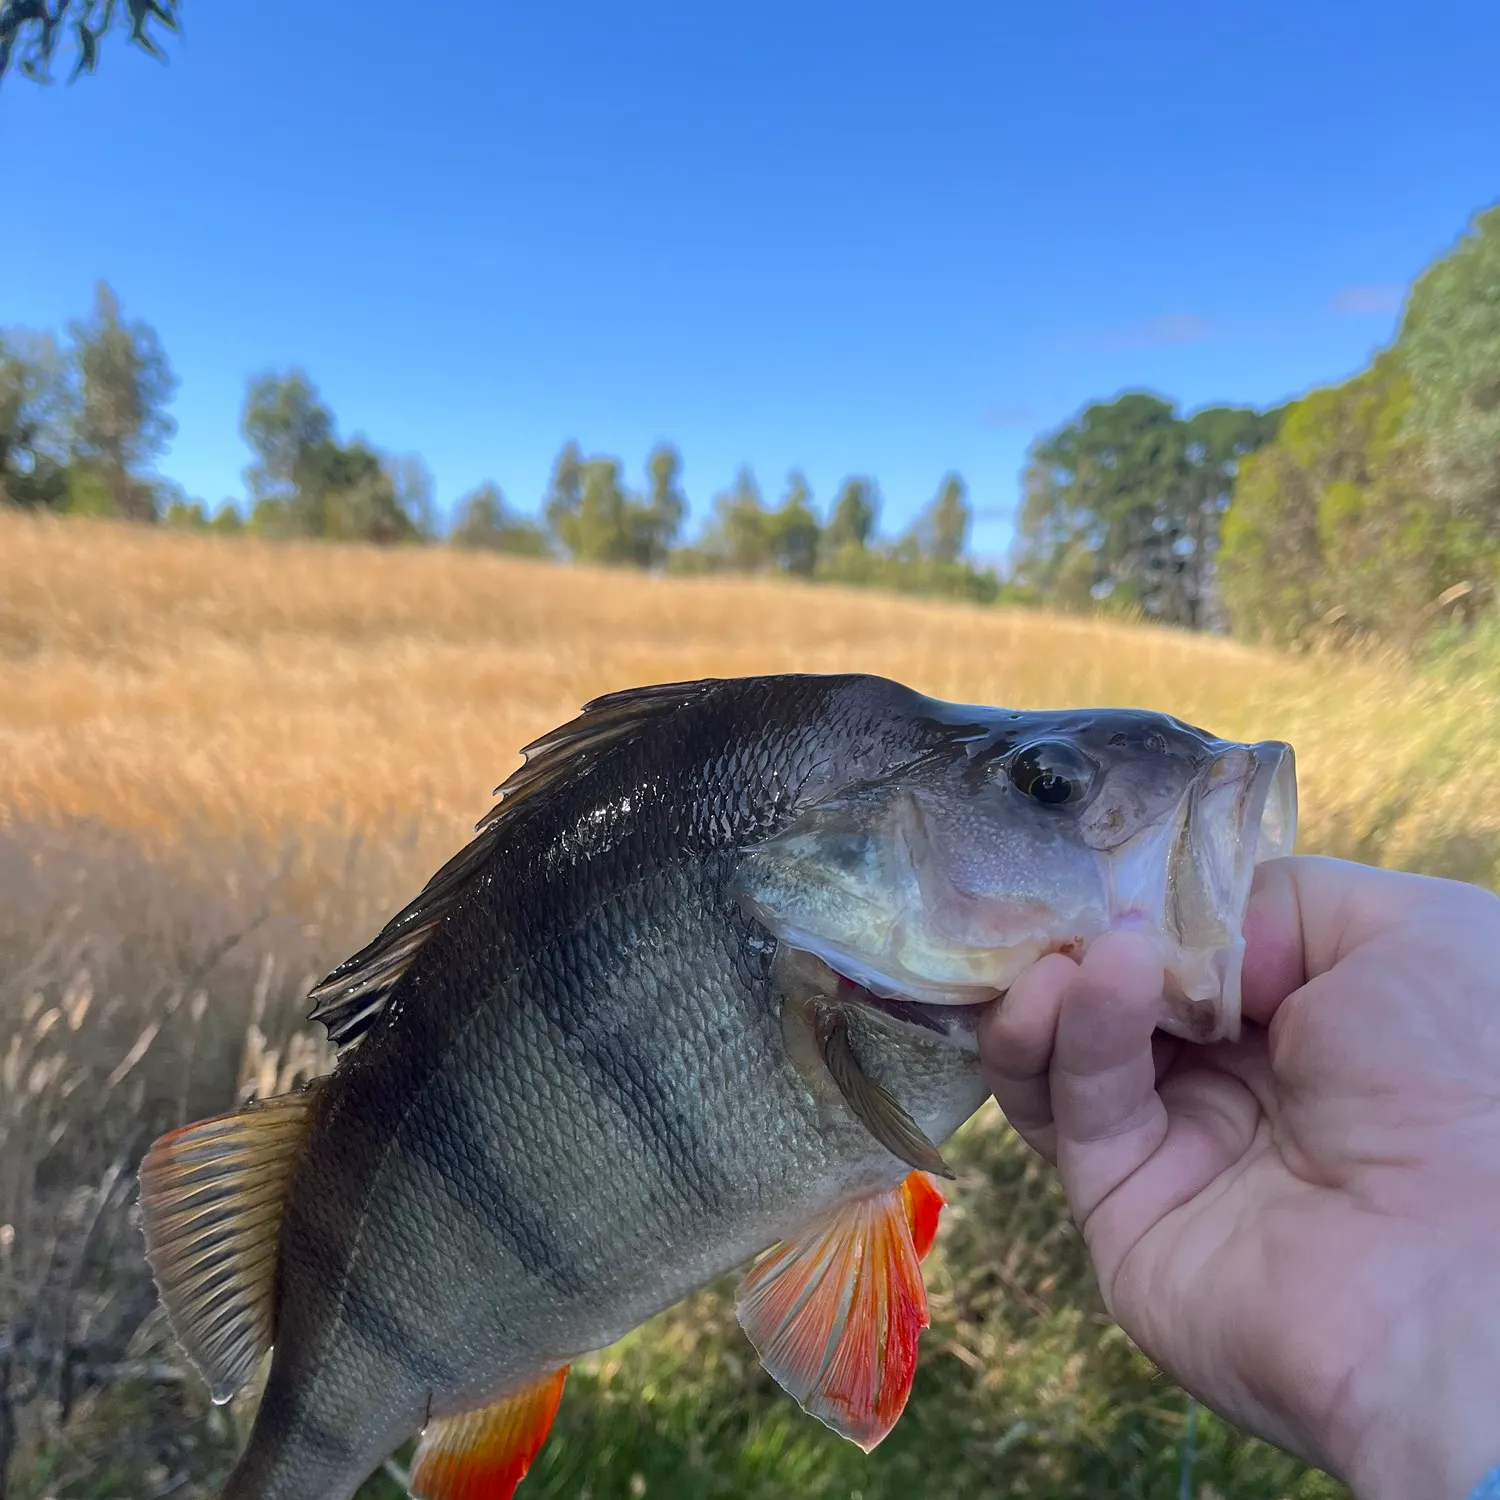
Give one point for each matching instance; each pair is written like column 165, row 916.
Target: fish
column 699, row 995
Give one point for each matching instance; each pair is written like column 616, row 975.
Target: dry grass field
column 224, row 762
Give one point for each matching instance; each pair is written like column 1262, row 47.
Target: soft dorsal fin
column 484, row 1454
column 835, row 1313
column 211, row 1199
column 349, row 1000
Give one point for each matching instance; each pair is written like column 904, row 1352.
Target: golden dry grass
column 164, row 681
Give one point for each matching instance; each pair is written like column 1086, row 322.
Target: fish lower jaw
column 1201, row 987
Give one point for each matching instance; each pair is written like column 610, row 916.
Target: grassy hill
column 224, row 762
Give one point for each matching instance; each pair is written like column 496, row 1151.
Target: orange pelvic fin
column 836, row 1313
column 484, row 1454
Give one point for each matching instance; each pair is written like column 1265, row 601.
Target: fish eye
column 1052, row 772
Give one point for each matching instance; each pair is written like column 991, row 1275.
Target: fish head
column 938, row 883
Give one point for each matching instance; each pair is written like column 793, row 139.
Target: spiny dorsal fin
column 484, row 1454
column 212, row 1195
column 350, row 999
column 836, row 1312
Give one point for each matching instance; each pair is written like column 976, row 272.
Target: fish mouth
column 1240, row 812
column 1184, row 883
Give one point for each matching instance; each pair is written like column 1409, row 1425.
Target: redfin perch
column 701, row 990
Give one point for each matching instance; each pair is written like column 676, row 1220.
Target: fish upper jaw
column 1186, row 883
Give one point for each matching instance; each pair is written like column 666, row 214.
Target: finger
column 1305, row 914
column 1015, row 1049
column 1109, row 1117
column 1210, row 1118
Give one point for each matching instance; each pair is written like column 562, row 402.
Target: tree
column 564, row 492
column 306, row 482
column 121, row 422
column 30, row 31
column 37, row 410
column 657, row 526
column 593, row 517
column 854, row 513
column 1124, row 503
column 740, row 536
column 1449, row 344
column 795, row 535
column 1336, row 522
column 944, row 531
column 485, row 522
column 286, row 425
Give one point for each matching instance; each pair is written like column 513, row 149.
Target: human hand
column 1301, row 1227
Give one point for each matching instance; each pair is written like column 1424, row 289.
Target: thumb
column 1308, row 912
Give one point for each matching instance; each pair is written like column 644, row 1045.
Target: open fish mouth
column 1240, row 813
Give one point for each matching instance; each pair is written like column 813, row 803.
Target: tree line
column 1367, row 508
column 82, row 421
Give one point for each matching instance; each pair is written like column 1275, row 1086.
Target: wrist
column 1428, row 1409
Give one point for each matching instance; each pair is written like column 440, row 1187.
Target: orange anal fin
column 484, row 1454
column 836, row 1313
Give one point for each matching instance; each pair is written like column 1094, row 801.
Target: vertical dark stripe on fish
column 635, row 1072
column 377, row 1314
column 373, row 1309
column 289, row 1423
column 489, row 1188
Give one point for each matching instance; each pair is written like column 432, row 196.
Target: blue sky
column 878, row 239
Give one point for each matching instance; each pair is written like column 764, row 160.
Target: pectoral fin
column 835, row 1314
column 877, row 1108
column 484, row 1454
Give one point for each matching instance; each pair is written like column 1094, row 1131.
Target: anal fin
column 835, row 1314
column 211, row 1199
column 484, row 1454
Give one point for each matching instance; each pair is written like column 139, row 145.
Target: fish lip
column 1221, row 843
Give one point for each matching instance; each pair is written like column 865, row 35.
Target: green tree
column 1336, row 522
column 1124, row 502
column 37, row 413
column 287, row 426
column 485, row 522
column 943, row 531
column 121, row 422
column 658, row 522
column 852, row 523
column 306, row 482
column 593, row 517
column 564, row 491
column 795, row 535
column 740, row 536
column 31, row 31
column 1449, row 343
